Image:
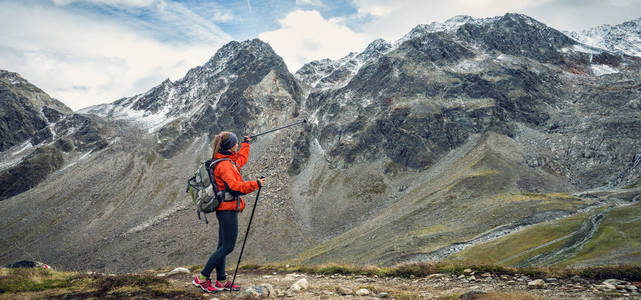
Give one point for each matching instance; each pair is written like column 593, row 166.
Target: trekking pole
column 246, row 234
column 279, row 128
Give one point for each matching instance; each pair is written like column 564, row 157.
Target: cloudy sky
column 85, row 52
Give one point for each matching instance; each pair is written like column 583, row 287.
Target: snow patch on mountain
column 599, row 70
column 332, row 74
column 622, row 38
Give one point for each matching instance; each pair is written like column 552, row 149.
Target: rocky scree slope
column 459, row 133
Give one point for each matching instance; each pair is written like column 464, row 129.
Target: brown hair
column 218, row 139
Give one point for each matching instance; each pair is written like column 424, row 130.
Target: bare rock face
column 37, row 134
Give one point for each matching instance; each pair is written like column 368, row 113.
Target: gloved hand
column 247, row 139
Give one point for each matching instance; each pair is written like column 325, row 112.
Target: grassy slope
column 479, row 191
column 41, row 283
column 617, row 240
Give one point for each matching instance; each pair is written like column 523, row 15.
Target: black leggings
column 227, row 234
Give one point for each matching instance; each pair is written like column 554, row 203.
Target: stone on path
column 302, row 283
column 473, row 294
column 343, row 290
column 382, row 295
column 271, row 292
column 178, row 271
column 436, row 276
column 295, row 287
column 467, row 271
column 535, row 284
column 362, row 292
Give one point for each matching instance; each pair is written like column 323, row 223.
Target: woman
column 227, row 174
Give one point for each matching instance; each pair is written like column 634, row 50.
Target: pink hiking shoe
column 227, row 286
column 205, row 285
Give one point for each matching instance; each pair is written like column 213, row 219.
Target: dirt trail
column 436, row 286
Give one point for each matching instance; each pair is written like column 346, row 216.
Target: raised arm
column 243, row 154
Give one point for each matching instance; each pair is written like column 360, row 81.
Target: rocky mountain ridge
column 621, row 38
column 463, row 133
column 38, row 135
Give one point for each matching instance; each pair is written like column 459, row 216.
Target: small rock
column 436, row 276
column 486, row 274
column 270, row 290
column 382, row 295
column 295, row 287
column 251, row 292
column 473, row 294
column 178, row 271
column 161, row 275
column 214, row 298
column 535, row 284
column 467, row 271
column 609, row 286
column 412, row 276
column 472, row 278
column 302, row 283
column 551, row 279
column 622, row 287
column 291, row 276
column 632, row 288
column 615, row 282
column 505, row 277
column 343, row 291
column 461, row 277
column 362, row 292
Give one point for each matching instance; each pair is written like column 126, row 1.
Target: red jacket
column 230, row 173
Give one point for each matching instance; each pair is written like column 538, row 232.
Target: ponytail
column 218, row 140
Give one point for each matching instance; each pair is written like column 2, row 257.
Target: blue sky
column 86, row 52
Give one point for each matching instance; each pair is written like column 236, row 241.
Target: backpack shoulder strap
column 213, row 166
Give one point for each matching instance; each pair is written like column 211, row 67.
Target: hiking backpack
column 204, row 191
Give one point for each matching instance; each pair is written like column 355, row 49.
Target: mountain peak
column 12, row 78
column 621, row 38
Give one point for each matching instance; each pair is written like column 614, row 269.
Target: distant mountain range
column 496, row 140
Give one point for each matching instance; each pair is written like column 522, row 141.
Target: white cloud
column 86, row 60
column 222, row 17
column 305, row 36
column 392, row 19
column 317, row 3
column 135, row 3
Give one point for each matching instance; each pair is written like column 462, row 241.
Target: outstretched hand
column 261, row 181
column 247, row 138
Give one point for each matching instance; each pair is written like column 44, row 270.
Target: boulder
column 341, row 290
column 536, row 284
column 178, row 271
column 302, row 283
column 362, row 292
